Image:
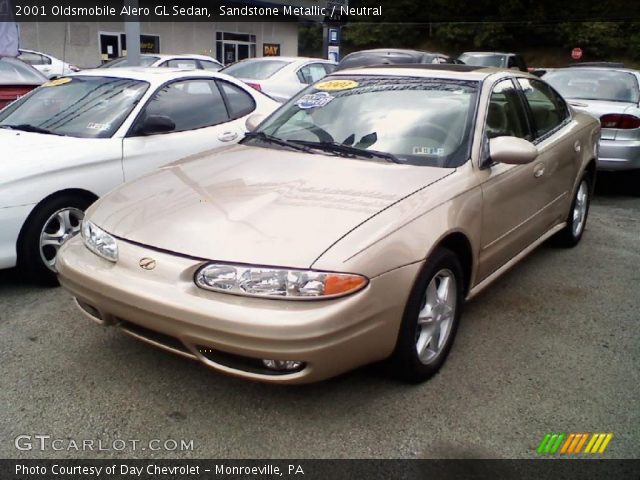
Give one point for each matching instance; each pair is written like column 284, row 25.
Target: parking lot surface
column 553, row 346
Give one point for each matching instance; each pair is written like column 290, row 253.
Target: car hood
column 256, row 205
column 598, row 108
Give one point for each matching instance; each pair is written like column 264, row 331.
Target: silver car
column 280, row 77
column 613, row 96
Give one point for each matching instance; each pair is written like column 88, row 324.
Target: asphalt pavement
column 553, row 346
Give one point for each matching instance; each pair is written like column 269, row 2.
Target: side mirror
column 156, row 124
column 512, row 150
column 253, row 121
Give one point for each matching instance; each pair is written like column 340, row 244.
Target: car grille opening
column 90, row 309
column 240, row 362
column 161, row 339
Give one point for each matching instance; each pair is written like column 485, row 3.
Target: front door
column 513, row 195
column 201, row 122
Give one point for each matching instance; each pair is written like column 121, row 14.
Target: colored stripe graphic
column 550, row 443
column 572, row 443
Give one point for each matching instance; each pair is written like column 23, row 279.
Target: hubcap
column 436, row 316
column 580, row 208
column 58, row 228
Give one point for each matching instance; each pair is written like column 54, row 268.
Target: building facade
column 90, row 44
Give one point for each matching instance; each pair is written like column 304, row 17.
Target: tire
column 432, row 339
column 570, row 235
column 52, row 223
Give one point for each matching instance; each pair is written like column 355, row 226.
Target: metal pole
column 132, row 31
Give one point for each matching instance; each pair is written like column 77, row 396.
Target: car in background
column 17, row 78
column 494, row 59
column 349, row 227
column 77, row 137
column 613, row 96
column 191, row 61
column 391, row 56
column 46, row 64
column 280, row 77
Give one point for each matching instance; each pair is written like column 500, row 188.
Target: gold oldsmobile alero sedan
column 348, row 227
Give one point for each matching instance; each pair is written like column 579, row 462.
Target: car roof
column 573, row 68
column 286, row 59
column 427, row 70
column 152, row 75
column 488, row 53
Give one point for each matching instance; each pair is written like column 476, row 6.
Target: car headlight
column 99, row 241
column 277, row 282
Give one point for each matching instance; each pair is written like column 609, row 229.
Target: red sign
column 576, row 53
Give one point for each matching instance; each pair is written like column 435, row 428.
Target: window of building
column 231, row 47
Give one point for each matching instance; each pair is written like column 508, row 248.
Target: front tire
column 430, row 319
column 571, row 235
column 47, row 228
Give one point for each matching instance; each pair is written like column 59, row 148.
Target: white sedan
column 75, row 138
column 280, row 77
column 46, row 64
column 187, row 60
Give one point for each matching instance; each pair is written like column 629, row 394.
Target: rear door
column 202, row 121
column 558, row 147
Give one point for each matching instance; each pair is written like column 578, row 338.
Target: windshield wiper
column 25, row 127
column 348, row 150
column 277, row 141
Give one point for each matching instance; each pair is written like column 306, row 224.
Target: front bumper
column 619, row 155
column 164, row 307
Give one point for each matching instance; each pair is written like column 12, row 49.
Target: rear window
column 483, row 60
column 366, row 59
column 255, row 70
column 16, row 72
column 587, row 84
column 145, row 61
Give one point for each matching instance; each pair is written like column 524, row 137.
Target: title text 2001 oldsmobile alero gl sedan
column 348, row 227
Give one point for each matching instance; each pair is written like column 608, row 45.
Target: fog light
column 282, row 364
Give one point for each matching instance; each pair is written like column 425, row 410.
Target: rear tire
column 430, row 319
column 571, row 235
column 47, row 228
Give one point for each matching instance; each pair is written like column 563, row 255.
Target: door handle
column 577, row 146
column 227, row 136
column 538, row 170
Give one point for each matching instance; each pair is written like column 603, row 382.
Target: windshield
column 83, row 106
column 16, row 72
column 587, row 84
column 145, row 61
column 419, row 121
column 255, row 70
column 483, row 60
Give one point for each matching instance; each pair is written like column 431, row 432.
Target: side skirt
column 487, row 281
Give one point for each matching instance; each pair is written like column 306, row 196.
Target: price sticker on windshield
column 314, row 100
column 335, row 85
column 56, row 82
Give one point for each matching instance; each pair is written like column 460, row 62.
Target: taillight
column 255, row 85
column 619, row 120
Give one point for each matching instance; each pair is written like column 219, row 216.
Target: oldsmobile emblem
column 147, row 263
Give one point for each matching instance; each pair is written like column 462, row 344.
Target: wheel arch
column 79, row 192
column 458, row 242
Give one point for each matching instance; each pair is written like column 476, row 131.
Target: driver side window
column 189, row 104
column 506, row 113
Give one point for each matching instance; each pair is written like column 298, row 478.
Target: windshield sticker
column 99, row 126
column 428, row 151
column 56, row 82
column 314, row 100
column 335, row 85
